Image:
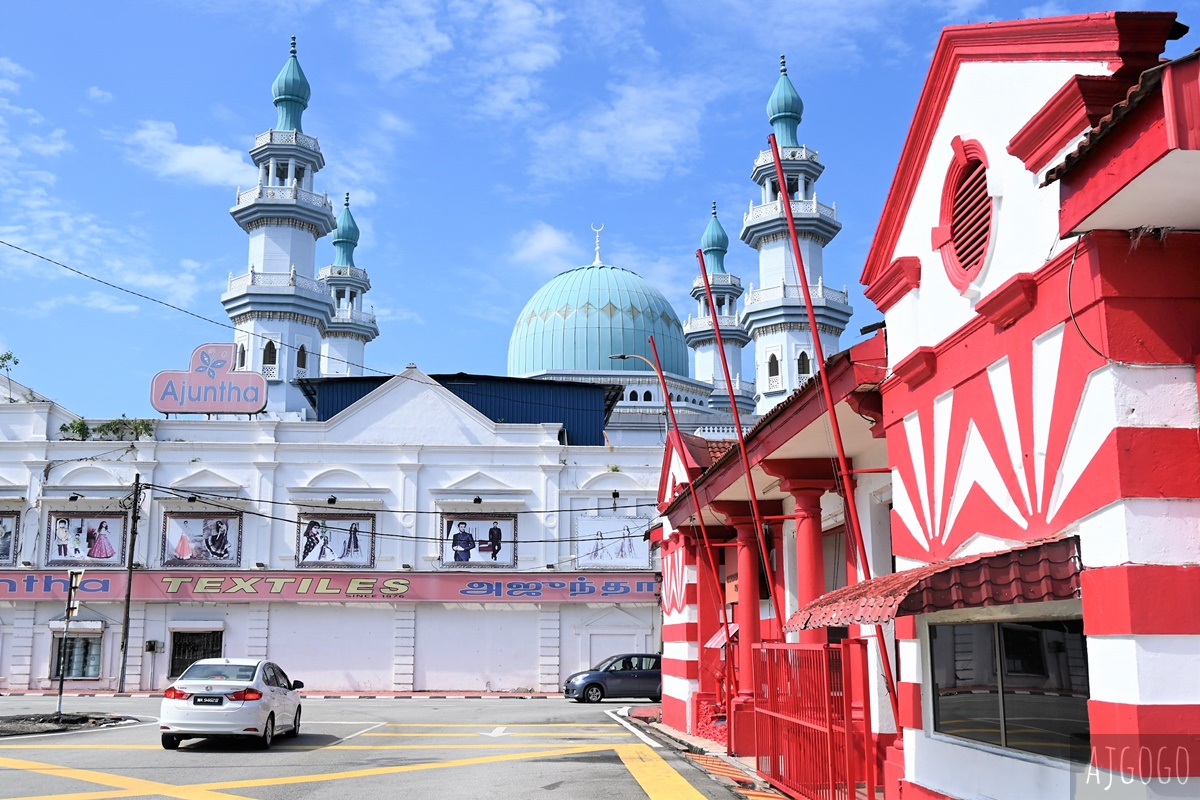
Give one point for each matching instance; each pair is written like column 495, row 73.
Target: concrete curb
column 316, row 696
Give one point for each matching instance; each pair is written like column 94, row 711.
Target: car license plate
column 207, row 700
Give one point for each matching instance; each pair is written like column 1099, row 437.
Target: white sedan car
column 230, row 697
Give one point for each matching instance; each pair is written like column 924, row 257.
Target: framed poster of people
column 612, row 543
column 201, row 539
column 479, row 540
column 8, row 539
column 91, row 540
column 345, row 541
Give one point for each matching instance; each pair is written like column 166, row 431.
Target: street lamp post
column 728, row 678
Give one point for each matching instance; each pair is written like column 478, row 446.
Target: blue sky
column 478, row 140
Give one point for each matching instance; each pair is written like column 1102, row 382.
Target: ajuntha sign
column 209, row 386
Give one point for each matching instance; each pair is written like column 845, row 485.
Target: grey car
column 624, row 675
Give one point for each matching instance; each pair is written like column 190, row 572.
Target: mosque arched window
column 633, row 397
column 301, row 358
column 269, row 354
column 773, row 366
column 241, row 362
column 803, row 366
column 646, row 397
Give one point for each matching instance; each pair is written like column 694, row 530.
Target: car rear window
column 219, row 672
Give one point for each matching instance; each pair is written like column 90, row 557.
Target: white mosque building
column 393, row 533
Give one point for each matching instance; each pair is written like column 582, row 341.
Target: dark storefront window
column 189, row 647
column 82, row 656
column 1021, row 685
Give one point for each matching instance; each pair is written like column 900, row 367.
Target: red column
column 810, row 555
column 748, row 604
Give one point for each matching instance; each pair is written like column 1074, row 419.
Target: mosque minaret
column 291, row 323
column 774, row 314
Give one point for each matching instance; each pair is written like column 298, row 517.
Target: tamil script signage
column 245, row 587
column 209, row 386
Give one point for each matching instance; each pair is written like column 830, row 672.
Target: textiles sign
column 248, row 586
column 209, row 386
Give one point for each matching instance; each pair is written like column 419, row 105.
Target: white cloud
column 98, row 95
column 511, row 42
column 10, row 73
column 50, row 145
column 97, row 301
column 1048, row 9
column 154, row 146
column 641, row 134
column 397, row 36
column 545, row 249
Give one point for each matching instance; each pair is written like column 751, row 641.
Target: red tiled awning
column 1032, row 573
column 717, row 640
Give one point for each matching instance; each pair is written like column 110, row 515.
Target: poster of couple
column 335, row 540
column 479, row 540
column 612, row 543
column 202, row 540
column 86, row 541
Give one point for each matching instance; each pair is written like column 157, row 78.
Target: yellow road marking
column 365, row 773
column 460, row 735
column 131, row 787
column 657, row 778
column 495, row 725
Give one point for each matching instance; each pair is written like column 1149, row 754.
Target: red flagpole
column 843, row 462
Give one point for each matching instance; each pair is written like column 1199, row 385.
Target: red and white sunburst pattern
column 1006, row 452
column 674, row 581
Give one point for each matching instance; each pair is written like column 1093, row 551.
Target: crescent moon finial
column 597, row 232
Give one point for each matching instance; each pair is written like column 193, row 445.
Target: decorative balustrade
column 301, row 372
column 352, row 315
column 719, row 279
column 774, row 383
column 285, row 193
column 800, row 153
column 800, row 208
column 253, row 278
column 334, row 271
column 287, row 137
column 706, row 323
column 794, row 292
column 270, row 372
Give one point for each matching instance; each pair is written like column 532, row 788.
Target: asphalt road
column 495, row 748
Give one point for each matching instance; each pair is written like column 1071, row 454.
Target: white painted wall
column 477, row 649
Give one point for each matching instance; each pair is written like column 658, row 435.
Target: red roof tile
column 1031, row 573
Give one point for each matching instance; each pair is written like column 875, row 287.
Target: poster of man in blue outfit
column 479, row 540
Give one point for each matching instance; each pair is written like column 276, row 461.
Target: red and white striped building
column 1037, row 534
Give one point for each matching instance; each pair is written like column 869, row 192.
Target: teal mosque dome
column 345, row 237
column 785, row 108
column 714, row 244
column 292, row 93
column 583, row 316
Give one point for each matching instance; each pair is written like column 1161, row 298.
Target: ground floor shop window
column 189, row 647
column 1021, row 685
column 81, row 656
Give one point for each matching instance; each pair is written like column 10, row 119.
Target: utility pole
column 136, row 504
column 73, row 579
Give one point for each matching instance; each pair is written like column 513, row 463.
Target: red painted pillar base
column 893, row 770
column 742, row 735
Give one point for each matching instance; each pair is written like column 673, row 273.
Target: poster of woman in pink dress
column 201, row 539
column 96, row 540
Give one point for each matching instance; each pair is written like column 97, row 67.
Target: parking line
column 504, row 724
column 364, row 773
column 128, row 786
column 657, row 778
column 466, row 733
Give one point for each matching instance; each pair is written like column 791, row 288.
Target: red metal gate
column 812, row 720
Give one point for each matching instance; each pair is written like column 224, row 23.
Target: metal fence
column 812, row 721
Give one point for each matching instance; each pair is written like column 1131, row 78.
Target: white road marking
column 624, row 712
column 364, row 730
column 497, row 732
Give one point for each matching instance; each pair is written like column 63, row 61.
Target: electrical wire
column 284, row 345
column 346, row 512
